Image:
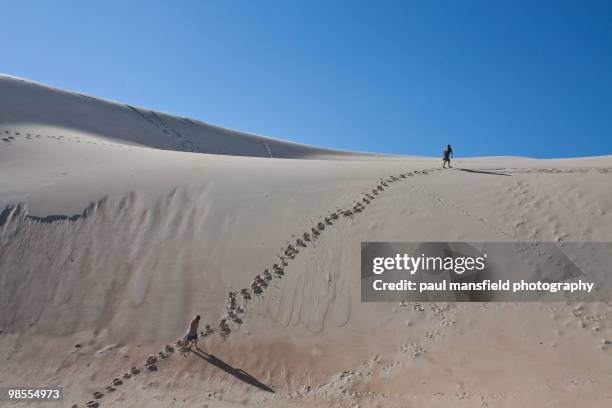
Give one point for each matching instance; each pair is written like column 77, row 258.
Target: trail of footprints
column 237, row 301
column 155, row 120
column 150, row 365
column 12, row 136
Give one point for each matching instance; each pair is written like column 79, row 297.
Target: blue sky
column 529, row 78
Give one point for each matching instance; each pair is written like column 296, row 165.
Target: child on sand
column 192, row 335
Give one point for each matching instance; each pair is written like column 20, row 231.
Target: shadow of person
column 236, row 372
column 482, row 172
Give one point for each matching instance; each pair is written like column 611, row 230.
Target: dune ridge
column 39, row 108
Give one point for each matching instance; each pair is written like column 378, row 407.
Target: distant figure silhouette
column 448, row 153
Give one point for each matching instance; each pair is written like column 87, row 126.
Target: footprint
column 279, row 271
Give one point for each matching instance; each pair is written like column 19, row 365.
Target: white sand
column 119, row 228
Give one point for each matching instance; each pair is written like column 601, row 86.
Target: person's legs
column 192, row 341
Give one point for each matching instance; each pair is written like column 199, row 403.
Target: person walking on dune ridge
column 192, row 334
column 448, row 153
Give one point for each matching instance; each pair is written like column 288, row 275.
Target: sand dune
column 118, row 225
column 29, row 107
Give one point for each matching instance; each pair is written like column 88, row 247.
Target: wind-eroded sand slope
column 39, row 109
column 114, row 233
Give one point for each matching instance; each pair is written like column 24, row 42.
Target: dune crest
column 50, row 112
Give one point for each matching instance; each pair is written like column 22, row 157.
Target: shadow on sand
column 483, row 172
column 236, row 372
